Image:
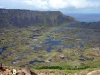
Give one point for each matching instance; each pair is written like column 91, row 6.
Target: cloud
column 37, row 3
column 1, row 6
column 51, row 4
column 61, row 4
column 57, row 4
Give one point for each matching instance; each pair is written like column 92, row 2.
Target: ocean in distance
column 85, row 17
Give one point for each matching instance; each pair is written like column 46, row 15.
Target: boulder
column 0, row 66
column 20, row 73
column 26, row 70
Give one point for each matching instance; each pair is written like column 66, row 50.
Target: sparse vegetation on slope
column 10, row 18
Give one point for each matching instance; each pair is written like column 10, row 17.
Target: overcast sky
column 66, row 6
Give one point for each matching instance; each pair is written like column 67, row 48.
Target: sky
column 65, row 6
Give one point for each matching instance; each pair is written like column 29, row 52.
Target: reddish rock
column 26, row 70
column 20, row 73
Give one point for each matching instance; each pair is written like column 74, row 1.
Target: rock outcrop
column 6, row 71
column 27, row 71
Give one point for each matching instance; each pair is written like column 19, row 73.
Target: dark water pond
column 35, row 61
column 82, row 39
column 72, row 46
column 3, row 49
column 53, row 42
column 81, row 45
column 99, row 38
column 79, row 32
column 42, row 48
column 49, row 49
column 67, row 37
column 59, row 50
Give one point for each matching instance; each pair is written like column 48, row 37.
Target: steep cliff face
column 24, row 18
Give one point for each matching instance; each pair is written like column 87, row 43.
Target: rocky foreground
column 4, row 70
column 26, row 71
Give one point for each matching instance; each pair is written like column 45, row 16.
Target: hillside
column 24, row 18
column 90, row 25
column 48, row 40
